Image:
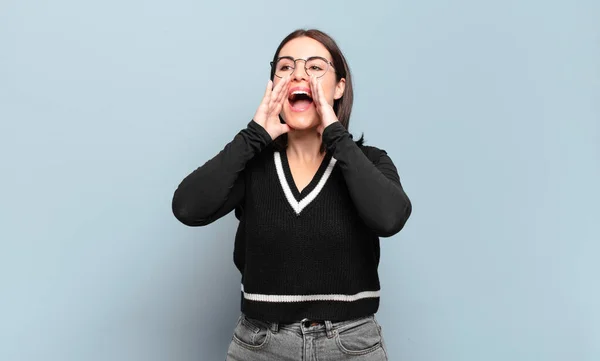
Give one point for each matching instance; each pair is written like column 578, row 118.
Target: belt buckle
column 309, row 323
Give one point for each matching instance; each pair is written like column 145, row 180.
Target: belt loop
column 274, row 327
column 329, row 329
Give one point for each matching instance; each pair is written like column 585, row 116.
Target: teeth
column 298, row 92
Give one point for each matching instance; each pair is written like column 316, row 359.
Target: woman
column 312, row 204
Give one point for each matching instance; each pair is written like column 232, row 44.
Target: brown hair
column 342, row 106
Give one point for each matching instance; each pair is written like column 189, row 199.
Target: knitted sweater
column 301, row 254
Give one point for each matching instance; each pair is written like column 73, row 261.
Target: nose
column 299, row 73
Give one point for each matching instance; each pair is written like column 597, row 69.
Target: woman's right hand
column 267, row 114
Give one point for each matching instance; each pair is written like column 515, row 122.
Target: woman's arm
column 374, row 186
column 217, row 187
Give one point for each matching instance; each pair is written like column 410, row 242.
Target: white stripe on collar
column 299, row 206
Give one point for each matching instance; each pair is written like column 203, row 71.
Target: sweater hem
column 315, row 310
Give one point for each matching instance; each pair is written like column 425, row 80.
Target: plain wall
column 490, row 110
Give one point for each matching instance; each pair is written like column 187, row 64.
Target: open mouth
column 300, row 100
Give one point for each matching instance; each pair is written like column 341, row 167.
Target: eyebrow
column 312, row 56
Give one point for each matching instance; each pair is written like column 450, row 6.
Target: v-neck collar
column 299, row 200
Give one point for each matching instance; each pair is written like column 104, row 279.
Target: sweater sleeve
column 217, row 187
column 374, row 185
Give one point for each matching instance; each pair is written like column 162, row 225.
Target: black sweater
column 311, row 254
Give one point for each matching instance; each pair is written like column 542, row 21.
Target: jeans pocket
column 359, row 337
column 251, row 334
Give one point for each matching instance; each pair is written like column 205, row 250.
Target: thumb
column 285, row 128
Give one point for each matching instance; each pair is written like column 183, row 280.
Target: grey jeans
column 255, row 340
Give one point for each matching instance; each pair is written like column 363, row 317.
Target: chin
column 301, row 121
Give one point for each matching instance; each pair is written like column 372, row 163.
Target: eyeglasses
column 315, row 65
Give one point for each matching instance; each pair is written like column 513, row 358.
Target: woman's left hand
column 324, row 109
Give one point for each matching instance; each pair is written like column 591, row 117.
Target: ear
column 339, row 89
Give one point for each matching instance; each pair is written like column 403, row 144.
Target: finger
column 267, row 95
column 322, row 99
column 319, row 92
column 277, row 109
column 277, row 91
column 285, row 88
column 315, row 91
column 281, row 86
column 284, row 91
column 278, row 105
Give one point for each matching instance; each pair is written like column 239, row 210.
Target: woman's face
column 301, row 114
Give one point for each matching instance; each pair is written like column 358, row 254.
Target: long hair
column 342, row 106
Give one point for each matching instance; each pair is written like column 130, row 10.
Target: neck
column 305, row 145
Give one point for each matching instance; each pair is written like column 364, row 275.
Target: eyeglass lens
column 314, row 67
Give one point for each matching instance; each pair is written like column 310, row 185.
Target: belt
column 305, row 322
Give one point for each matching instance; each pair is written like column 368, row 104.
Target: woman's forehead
column 304, row 47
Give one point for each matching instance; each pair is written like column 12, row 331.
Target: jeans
column 255, row 340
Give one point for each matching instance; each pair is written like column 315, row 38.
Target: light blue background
column 491, row 111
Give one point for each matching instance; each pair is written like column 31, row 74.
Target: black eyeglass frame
column 329, row 64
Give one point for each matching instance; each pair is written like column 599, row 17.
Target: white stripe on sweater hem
column 308, row 298
column 299, row 206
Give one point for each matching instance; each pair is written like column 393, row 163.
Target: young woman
column 311, row 204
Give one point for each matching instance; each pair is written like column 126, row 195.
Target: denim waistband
column 308, row 326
